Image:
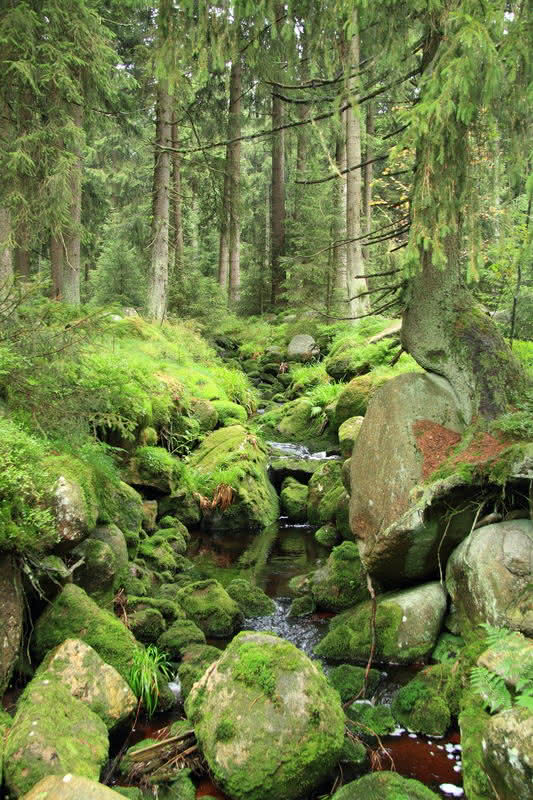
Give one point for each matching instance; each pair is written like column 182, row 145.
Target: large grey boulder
column 508, row 753
column 408, row 624
column 70, row 787
column 302, row 347
column 411, row 421
column 489, row 577
column 74, row 516
column 88, row 678
column 269, row 724
column 11, row 616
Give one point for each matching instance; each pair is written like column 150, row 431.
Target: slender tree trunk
column 354, row 251
column 235, row 183
column 341, row 281
column 72, row 236
column 22, row 259
column 56, row 262
column 223, row 247
column 278, row 202
column 368, row 171
column 158, row 288
column 178, row 221
column 6, row 253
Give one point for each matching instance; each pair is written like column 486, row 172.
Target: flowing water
column 289, row 551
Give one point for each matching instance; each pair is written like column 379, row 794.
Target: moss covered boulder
column 11, row 618
column 178, row 637
column 295, row 734
column 341, row 583
column 88, row 678
column 384, row 786
column 368, row 721
column 233, row 457
column 489, row 577
column 98, row 571
column 327, row 535
column 508, row 753
column 73, row 787
column 155, row 468
column 184, row 505
column 298, row 421
column 227, row 410
column 252, row 600
column 75, row 512
column 5, row 724
column 53, row 733
column 294, row 500
column 422, row 708
column 348, row 433
column 325, row 489
column 411, row 422
column 73, row 615
column 205, row 412
column 408, row 624
column 125, row 510
column 196, row 658
column 147, row 624
column 209, row 605
column 349, row 681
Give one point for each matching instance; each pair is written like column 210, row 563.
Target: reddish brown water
column 426, row 759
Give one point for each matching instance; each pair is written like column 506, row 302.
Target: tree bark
column 341, row 282
column 354, row 252
column 223, row 247
column 443, row 328
column 158, row 288
column 278, row 202
column 6, row 253
column 368, row 170
column 56, row 262
column 178, row 221
column 234, row 126
column 70, row 289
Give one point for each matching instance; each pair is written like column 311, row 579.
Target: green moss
column 384, row 786
column 74, row 615
column 354, row 754
column 45, row 738
column 252, row 601
column 233, row 457
column 349, row 681
column 168, row 607
column 294, row 500
column 178, row 637
column 302, row 606
column 341, row 583
column 472, row 723
column 419, row 708
column 327, row 535
column 325, row 489
column 225, row 730
column 368, row 721
column 204, row 412
column 227, row 410
column 158, row 465
column 209, row 605
column 196, row 658
column 147, row 625
column 448, row 648
column 255, row 668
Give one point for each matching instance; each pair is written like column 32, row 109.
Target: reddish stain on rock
column 435, row 443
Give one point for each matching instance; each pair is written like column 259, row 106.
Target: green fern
column 492, row 688
column 494, row 635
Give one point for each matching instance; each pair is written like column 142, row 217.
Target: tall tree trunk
column 56, row 262
column 223, row 246
column 341, row 280
column 278, row 201
column 6, row 253
column 72, row 236
column 443, row 328
column 235, row 182
column 368, row 171
column 178, row 220
column 158, row 288
column 354, row 251
column 22, row 254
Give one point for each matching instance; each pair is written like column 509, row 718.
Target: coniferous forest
column 266, row 399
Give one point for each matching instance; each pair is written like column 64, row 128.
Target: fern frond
column 492, row 688
column 494, row 635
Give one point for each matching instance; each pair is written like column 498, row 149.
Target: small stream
column 292, row 550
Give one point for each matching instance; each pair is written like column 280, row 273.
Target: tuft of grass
column 149, row 666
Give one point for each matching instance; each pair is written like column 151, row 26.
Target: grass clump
column 149, row 666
